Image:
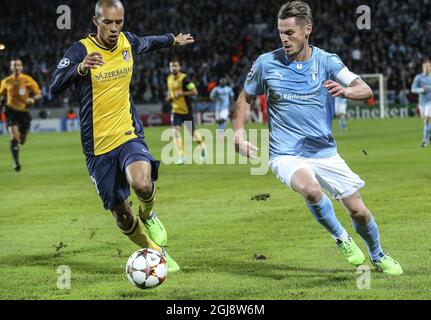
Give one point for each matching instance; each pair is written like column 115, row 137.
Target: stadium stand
column 229, row 35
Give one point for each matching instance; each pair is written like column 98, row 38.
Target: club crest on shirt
column 126, row 55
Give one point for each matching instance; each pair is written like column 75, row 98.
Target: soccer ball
column 146, row 268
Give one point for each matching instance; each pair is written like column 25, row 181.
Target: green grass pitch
column 214, row 228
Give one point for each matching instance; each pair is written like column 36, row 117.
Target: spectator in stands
column 395, row 45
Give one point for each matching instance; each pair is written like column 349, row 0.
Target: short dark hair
column 106, row 3
column 426, row 60
column 297, row 9
column 174, row 59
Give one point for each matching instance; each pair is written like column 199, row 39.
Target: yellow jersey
column 108, row 115
column 181, row 82
column 18, row 90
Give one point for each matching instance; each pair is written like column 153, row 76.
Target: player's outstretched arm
column 241, row 114
column 357, row 90
column 151, row 43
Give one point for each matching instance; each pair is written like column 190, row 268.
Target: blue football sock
column 426, row 128
column 370, row 234
column 344, row 123
column 324, row 213
column 222, row 126
column 429, row 131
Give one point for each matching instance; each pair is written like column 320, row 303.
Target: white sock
column 344, row 236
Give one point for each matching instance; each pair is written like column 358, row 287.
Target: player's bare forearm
column 241, row 111
column 358, row 90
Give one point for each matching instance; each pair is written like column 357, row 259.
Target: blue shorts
column 179, row 119
column 108, row 171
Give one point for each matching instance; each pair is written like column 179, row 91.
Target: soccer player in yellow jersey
column 101, row 68
column 180, row 89
column 21, row 91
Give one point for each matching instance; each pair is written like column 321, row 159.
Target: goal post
column 378, row 83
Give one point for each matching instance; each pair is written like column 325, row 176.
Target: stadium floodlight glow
column 2, row 46
column 379, row 80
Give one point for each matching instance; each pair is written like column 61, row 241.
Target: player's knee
column 313, row 193
column 142, row 186
column 360, row 214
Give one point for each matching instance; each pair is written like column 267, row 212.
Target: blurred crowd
column 229, row 35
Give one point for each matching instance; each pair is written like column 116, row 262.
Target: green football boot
column 351, row 251
column 172, row 264
column 156, row 230
column 388, row 266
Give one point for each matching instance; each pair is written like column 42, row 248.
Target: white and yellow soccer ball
column 146, row 268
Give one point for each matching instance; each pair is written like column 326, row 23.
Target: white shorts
column 340, row 108
column 425, row 110
column 222, row 114
column 333, row 174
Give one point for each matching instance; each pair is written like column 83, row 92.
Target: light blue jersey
column 300, row 108
column 422, row 86
column 223, row 97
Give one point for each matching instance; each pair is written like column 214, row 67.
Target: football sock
column 343, row 124
column 429, row 130
column 146, row 203
column 324, row 213
column 370, row 234
column 222, row 126
column 198, row 138
column 426, row 130
column 137, row 235
column 14, row 149
column 179, row 146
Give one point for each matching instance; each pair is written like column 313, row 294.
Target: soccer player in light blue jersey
column 300, row 82
column 223, row 96
column 341, row 113
column 422, row 86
